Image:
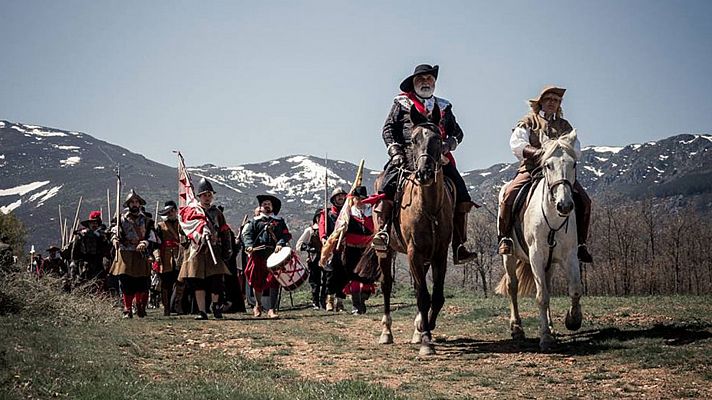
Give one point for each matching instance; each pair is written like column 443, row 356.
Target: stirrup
column 381, row 241
column 505, row 247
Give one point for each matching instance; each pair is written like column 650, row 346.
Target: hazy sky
column 238, row 82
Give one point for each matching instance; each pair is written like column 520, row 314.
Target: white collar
column 543, row 115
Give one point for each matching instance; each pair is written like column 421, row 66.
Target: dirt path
column 484, row 363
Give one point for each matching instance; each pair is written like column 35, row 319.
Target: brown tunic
column 538, row 126
column 128, row 260
column 170, row 251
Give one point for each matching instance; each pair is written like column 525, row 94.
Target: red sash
column 421, row 109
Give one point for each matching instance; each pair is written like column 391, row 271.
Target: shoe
column 128, row 315
column 217, row 311
column 505, row 247
column 271, row 314
column 316, row 306
column 201, row 316
column 257, row 311
column 330, row 302
column 339, row 305
column 166, row 312
column 583, row 255
column 355, row 311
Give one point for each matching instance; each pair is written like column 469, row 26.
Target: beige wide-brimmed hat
column 559, row 91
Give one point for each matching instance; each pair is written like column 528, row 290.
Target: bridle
column 429, row 127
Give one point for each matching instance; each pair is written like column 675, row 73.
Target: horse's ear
column 416, row 117
column 435, row 114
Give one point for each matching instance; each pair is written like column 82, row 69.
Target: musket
column 326, row 188
column 118, row 197
column 76, row 219
column 108, row 206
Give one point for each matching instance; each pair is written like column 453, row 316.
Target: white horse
column 549, row 232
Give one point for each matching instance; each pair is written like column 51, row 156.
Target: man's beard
column 133, row 210
column 172, row 218
column 425, row 91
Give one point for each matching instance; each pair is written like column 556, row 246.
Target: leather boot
column 127, row 302
column 141, row 302
column 383, row 216
column 582, row 208
column 330, row 302
column 177, row 297
column 460, row 254
column 504, row 228
column 339, row 304
column 166, row 301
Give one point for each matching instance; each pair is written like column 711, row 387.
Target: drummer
column 265, row 234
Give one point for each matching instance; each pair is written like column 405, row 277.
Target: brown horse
column 421, row 229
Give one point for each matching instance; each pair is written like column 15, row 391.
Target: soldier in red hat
column 88, row 249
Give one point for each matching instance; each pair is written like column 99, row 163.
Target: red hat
column 93, row 216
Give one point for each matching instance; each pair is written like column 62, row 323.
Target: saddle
column 521, row 202
column 395, row 229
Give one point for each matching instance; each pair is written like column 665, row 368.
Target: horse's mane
column 564, row 142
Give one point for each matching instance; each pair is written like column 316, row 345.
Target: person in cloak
column 201, row 272
column 335, row 271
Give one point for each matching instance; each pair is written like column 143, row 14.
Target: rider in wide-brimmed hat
column 545, row 118
column 418, row 89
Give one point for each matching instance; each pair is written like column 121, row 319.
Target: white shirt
column 520, row 139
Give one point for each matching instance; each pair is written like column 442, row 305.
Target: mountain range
column 44, row 168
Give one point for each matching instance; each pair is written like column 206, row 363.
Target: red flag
column 191, row 216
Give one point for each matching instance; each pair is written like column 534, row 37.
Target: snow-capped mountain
column 42, row 168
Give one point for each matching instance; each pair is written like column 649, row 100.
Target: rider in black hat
column 417, row 91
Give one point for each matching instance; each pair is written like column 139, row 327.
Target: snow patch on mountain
column 595, row 171
column 604, row 149
column 8, row 208
column 22, row 189
column 73, row 148
column 70, row 161
column 36, row 130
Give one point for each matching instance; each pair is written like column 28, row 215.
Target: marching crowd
column 212, row 268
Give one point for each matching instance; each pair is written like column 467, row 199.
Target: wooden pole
column 108, row 206
column 61, row 229
column 76, row 215
column 64, row 232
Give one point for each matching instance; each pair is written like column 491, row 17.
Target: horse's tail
column 367, row 267
column 525, row 281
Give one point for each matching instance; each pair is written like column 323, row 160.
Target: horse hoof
column 518, row 333
column 386, row 338
column 416, row 338
column 573, row 322
column 546, row 343
column 427, row 350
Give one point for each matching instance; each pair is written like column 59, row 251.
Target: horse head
column 558, row 165
column 426, row 145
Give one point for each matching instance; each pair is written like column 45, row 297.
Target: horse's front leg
column 515, row 321
column 439, row 265
column 574, row 316
column 386, row 287
column 419, row 271
column 538, row 259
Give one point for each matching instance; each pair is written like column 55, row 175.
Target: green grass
column 56, row 345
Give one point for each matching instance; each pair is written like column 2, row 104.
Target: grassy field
column 60, row 346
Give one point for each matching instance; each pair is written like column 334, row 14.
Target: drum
column 293, row 274
column 279, row 259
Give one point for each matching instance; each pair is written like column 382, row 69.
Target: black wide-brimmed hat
column 167, row 207
column 359, row 191
column 276, row 203
column 53, row 248
column 94, row 216
column 204, row 186
column 422, row 69
column 132, row 195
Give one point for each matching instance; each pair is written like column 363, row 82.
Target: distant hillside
column 42, row 168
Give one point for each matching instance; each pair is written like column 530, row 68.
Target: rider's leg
column 463, row 205
column 582, row 205
column 504, row 221
column 384, row 208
